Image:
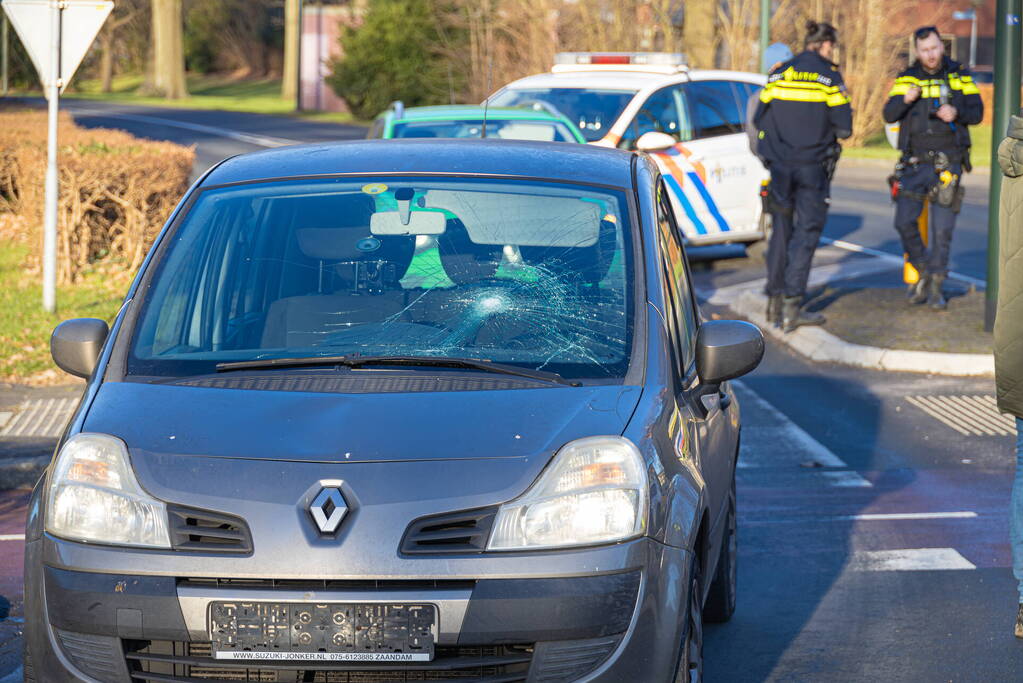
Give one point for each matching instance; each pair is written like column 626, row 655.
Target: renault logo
column 328, row 509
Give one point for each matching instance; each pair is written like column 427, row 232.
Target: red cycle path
column 12, row 522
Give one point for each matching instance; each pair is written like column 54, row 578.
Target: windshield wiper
column 355, row 361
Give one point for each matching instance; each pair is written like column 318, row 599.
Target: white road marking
column 895, row 260
column 877, row 517
column 865, row 517
column 12, row 537
column 41, row 417
column 259, row 140
column 770, row 439
column 970, row 415
column 907, row 560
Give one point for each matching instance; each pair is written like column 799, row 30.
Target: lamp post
column 1006, row 103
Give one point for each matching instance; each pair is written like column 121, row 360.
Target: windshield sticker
column 374, row 188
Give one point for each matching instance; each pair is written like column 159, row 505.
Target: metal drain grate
column 41, row 417
column 969, row 415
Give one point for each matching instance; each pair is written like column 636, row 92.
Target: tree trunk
column 699, row 33
column 168, row 50
column 106, row 61
column 292, row 33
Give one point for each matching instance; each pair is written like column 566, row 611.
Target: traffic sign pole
column 56, row 56
column 52, row 188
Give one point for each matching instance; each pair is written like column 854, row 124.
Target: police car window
column 661, row 113
column 592, row 111
column 714, row 108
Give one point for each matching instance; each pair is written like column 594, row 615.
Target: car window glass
column 376, row 130
column 662, row 113
column 504, row 129
column 684, row 310
column 529, row 273
column 714, row 108
column 593, row 111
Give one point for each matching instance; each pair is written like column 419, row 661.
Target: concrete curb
column 818, row 344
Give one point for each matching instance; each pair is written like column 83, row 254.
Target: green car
column 533, row 121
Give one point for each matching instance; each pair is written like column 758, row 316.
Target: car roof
column 632, row 81
column 566, row 161
column 473, row 112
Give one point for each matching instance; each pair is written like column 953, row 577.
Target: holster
column 831, row 157
column 767, row 201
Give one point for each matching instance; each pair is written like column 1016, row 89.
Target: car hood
column 351, row 428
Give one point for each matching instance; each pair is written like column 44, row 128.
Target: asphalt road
column 873, row 537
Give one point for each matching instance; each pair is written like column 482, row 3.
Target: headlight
column 595, row 491
column 95, row 497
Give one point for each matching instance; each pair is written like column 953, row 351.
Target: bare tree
column 167, row 71
column 125, row 13
column 739, row 31
column 700, row 33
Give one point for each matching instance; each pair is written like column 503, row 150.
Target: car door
column 711, row 431
column 729, row 171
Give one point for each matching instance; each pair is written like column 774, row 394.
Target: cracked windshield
column 530, row 274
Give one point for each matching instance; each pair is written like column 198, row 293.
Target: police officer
column 934, row 101
column 803, row 112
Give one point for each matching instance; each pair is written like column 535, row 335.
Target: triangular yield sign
column 81, row 20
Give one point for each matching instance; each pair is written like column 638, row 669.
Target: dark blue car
column 390, row 411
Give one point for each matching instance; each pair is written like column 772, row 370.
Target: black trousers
column 800, row 197
column 933, row 259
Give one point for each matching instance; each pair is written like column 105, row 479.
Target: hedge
column 116, row 190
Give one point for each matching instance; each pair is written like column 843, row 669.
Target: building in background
column 322, row 23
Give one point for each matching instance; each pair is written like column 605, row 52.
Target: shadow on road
column 793, row 548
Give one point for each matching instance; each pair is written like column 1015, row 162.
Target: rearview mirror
column 419, row 223
column 726, row 349
column 76, row 344
column 654, row 142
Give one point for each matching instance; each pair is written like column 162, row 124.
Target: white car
column 692, row 123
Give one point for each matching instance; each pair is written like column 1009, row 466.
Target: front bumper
column 617, row 624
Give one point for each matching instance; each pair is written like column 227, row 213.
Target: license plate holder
column 330, row 631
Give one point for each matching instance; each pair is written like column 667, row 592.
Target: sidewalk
column 31, row 420
column 869, row 322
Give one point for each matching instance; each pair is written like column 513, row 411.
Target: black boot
column 774, row 310
column 794, row 316
column 935, row 297
column 918, row 291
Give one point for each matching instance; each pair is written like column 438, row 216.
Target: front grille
column 201, row 530
column 466, row 531
column 97, row 656
column 330, row 584
column 181, row 662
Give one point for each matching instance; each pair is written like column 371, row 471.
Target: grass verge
column 25, row 327
column 254, row 96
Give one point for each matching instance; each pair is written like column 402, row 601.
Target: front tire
column 690, row 661
column 721, row 599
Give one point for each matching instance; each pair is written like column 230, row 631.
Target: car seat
column 358, row 283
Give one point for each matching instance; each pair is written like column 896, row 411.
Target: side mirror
column 75, row 345
column 654, row 142
column 726, row 349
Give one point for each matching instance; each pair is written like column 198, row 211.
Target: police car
column 691, row 121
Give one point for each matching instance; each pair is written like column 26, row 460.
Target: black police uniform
column 803, row 111
column 934, row 155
